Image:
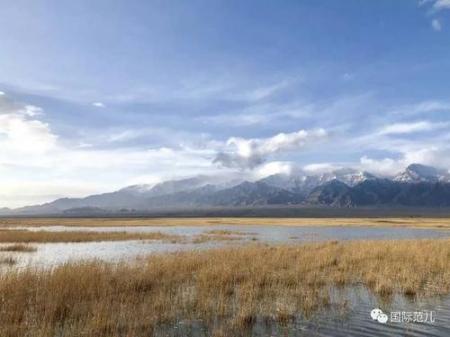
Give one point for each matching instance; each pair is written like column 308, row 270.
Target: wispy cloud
column 405, row 128
column 435, row 6
column 261, row 92
column 422, row 107
column 441, row 4
column 260, row 114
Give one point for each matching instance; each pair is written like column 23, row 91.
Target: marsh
column 219, row 279
column 234, row 291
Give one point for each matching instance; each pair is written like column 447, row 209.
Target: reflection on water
column 335, row 321
column 56, row 253
column 50, row 254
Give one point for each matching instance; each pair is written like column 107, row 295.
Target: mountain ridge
column 417, row 185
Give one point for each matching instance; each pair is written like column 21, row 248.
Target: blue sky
column 101, row 94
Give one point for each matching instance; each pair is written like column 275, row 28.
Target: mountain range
column 418, row 185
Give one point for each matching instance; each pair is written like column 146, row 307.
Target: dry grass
column 219, row 235
column 18, row 247
column 25, row 236
column 226, row 232
column 7, row 260
column 226, row 288
column 202, row 238
column 443, row 223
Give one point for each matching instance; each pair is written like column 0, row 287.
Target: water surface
column 353, row 320
column 48, row 254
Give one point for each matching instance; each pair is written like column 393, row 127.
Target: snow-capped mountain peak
column 416, row 173
column 348, row 176
column 305, row 182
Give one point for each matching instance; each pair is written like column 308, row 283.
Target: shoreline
column 429, row 222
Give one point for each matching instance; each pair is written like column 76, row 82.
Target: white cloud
column 429, row 106
column 37, row 166
column 320, row 167
column 98, row 104
column 404, row 128
column 441, row 4
column 249, row 153
column 20, row 133
column 422, row 107
column 260, row 93
column 274, row 167
column 31, row 110
column 383, row 167
column 424, row 2
column 436, row 25
column 428, row 155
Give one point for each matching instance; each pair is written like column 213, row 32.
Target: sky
column 98, row 95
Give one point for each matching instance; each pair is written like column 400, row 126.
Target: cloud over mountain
column 249, row 153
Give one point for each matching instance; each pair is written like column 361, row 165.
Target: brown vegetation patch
column 226, row 232
column 25, row 236
column 227, row 289
column 7, row 260
column 202, row 238
column 18, row 247
column 220, row 235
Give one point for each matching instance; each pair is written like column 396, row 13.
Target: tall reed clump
column 228, row 288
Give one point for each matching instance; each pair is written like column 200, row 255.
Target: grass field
column 227, row 289
column 443, row 223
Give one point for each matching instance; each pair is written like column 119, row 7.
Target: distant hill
column 417, row 186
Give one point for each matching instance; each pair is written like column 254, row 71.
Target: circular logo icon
column 382, row 318
column 379, row 315
column 375, row 313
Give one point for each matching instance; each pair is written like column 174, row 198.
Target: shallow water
column 275, row 233
column 49, row 254
column 354, row 320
